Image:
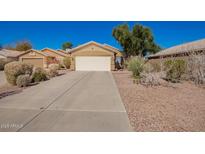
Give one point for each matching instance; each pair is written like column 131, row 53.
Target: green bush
column 67, row 62
column 39, row 74
column 136, row 65
column 14, row 69
column 174, row 69
column 23, row 80
column 3, row 62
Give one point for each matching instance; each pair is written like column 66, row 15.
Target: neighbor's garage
column 37, row 62
column 93, row 63
column 34, row 57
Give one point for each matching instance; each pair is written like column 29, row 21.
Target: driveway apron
column 76, row 101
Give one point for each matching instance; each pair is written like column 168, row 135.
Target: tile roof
column 96, row 43
column 60, row 52
column 183, row 48
column 10, row 53
column 40, row 52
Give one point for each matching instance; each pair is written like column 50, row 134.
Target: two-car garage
column 92, row 56
column 93, row 63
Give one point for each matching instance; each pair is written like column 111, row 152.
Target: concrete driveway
column 77, row 101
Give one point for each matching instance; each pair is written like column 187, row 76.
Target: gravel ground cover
column 175, row 107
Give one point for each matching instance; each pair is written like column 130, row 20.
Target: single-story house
column 93, row 56
column 180, row 51
column 10, row 54
column 37, row 58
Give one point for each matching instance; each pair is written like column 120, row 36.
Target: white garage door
column 84, row 63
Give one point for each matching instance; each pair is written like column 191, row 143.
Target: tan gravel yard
column 179, row 107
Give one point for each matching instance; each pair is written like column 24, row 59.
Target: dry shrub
column 196, row 68
column 136, row 65
column 54, row 66
column 23, row 80
column 175, row 69
column 148, row 68
column 67, row 62
column 39, row 74
column 150, row 79
column 14, row 69
column 156, row 65
column 53, row 70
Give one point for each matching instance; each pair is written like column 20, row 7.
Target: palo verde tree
column 135, row 42
column 67, row 45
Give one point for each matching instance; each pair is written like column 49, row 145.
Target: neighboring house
column 180, row 51
column 93, row 56
column 58, row 54
column 36, row 58
column 64, row 51
column 10, row 54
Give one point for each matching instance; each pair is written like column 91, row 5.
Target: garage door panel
column 37, row 62
column 93, row 63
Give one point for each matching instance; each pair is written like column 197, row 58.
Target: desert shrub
column 126, row 64
column 150, row 79
column 61, row 65
column 39, row 74
column 67, row 62
column 54, row 66
column 174, row 69
column 14, row 69
column 196, row 68
column 148, row 68
column 156, row 66
column 23, row 80
column 136, row 65
column 53, row 70
column 27, row 68
column 149, row 76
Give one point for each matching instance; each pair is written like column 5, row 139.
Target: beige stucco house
column 36, row 58
column 91, row 56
